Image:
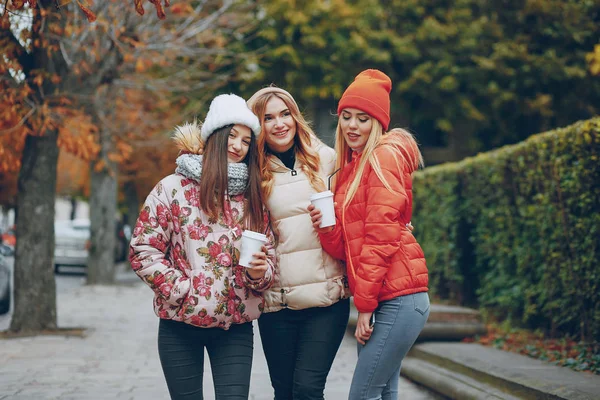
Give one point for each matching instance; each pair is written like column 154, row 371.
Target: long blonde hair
column 399, row 141
column 304, row 140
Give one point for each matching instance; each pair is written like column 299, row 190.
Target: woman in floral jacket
column 186, row 247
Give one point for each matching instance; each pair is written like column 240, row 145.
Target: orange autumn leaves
column 76, row 133
column 19, row 117
column 563, row 351
column 140, row 110
column 13, row 129
column 158, row 4
column 90, row 15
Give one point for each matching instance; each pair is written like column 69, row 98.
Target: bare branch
column 207, row 22
column 20, row 123
column 63, row 51
column 191, row 18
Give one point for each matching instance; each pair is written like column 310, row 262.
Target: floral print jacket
column 191, row 261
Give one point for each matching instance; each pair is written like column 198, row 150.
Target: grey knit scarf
column 190, row 166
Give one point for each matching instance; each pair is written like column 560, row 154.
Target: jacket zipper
column 346, row 244
column 282, row 165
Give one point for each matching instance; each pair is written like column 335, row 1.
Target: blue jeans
column 398, row 323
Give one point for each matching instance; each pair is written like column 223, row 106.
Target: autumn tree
column 151, row 72
column 33, row 72
column 53, row 71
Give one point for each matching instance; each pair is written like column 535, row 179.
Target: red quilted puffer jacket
column 383, row 258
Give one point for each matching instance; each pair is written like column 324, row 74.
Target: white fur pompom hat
column 228, row 109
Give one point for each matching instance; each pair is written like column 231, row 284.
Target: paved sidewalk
column 118, row 358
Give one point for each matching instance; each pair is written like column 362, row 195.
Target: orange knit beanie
column 370, row 92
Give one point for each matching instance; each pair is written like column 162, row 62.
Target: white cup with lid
column 324, row 202
column 252, row 243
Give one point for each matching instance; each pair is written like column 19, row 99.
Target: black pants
column 181, row 350
column 300, row 346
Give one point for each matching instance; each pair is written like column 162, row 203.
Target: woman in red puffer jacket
column 386, row 266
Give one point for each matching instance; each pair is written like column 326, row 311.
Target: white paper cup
column 324, row 202
column 252, row 242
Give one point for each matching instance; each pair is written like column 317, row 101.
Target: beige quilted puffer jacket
column 305, row 275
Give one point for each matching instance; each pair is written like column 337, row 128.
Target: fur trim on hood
column 187, row 138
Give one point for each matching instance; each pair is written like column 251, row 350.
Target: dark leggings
column 300, row 346
column 181, row 350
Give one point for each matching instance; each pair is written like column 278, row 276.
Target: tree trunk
column 35, row 290
column 73, row 208
column 34, row 285
column 459, row 146
column 103, row 174
column 103, row 213
column 4, row 224
column 322, row 121
column 132, row 202
column 460, row 140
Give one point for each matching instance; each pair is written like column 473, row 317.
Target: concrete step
column 481, row 371
column 445, row 323
column 448, row 383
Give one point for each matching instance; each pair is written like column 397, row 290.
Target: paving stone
column 118, row 357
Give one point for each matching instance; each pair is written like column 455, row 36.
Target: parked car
column 8, row 237
column 6, row 265
column 72, row 243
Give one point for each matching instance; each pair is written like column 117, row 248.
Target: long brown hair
column 214, row 180
column 304, row 141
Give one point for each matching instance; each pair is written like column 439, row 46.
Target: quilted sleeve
column 383, row 229
column 333, row 242
column 150, row 244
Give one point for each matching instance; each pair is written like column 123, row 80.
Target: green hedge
column 516, row 231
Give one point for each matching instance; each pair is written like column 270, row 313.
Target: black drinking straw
column 329, row 178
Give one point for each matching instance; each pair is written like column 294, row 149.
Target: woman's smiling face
column 278, row 125
column 238, row 143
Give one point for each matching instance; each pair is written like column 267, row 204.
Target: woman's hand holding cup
column 258, row 266
column 316, row 216
column 253, row 254
column 323, row 201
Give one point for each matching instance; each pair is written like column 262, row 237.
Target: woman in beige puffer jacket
column 307, row 308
